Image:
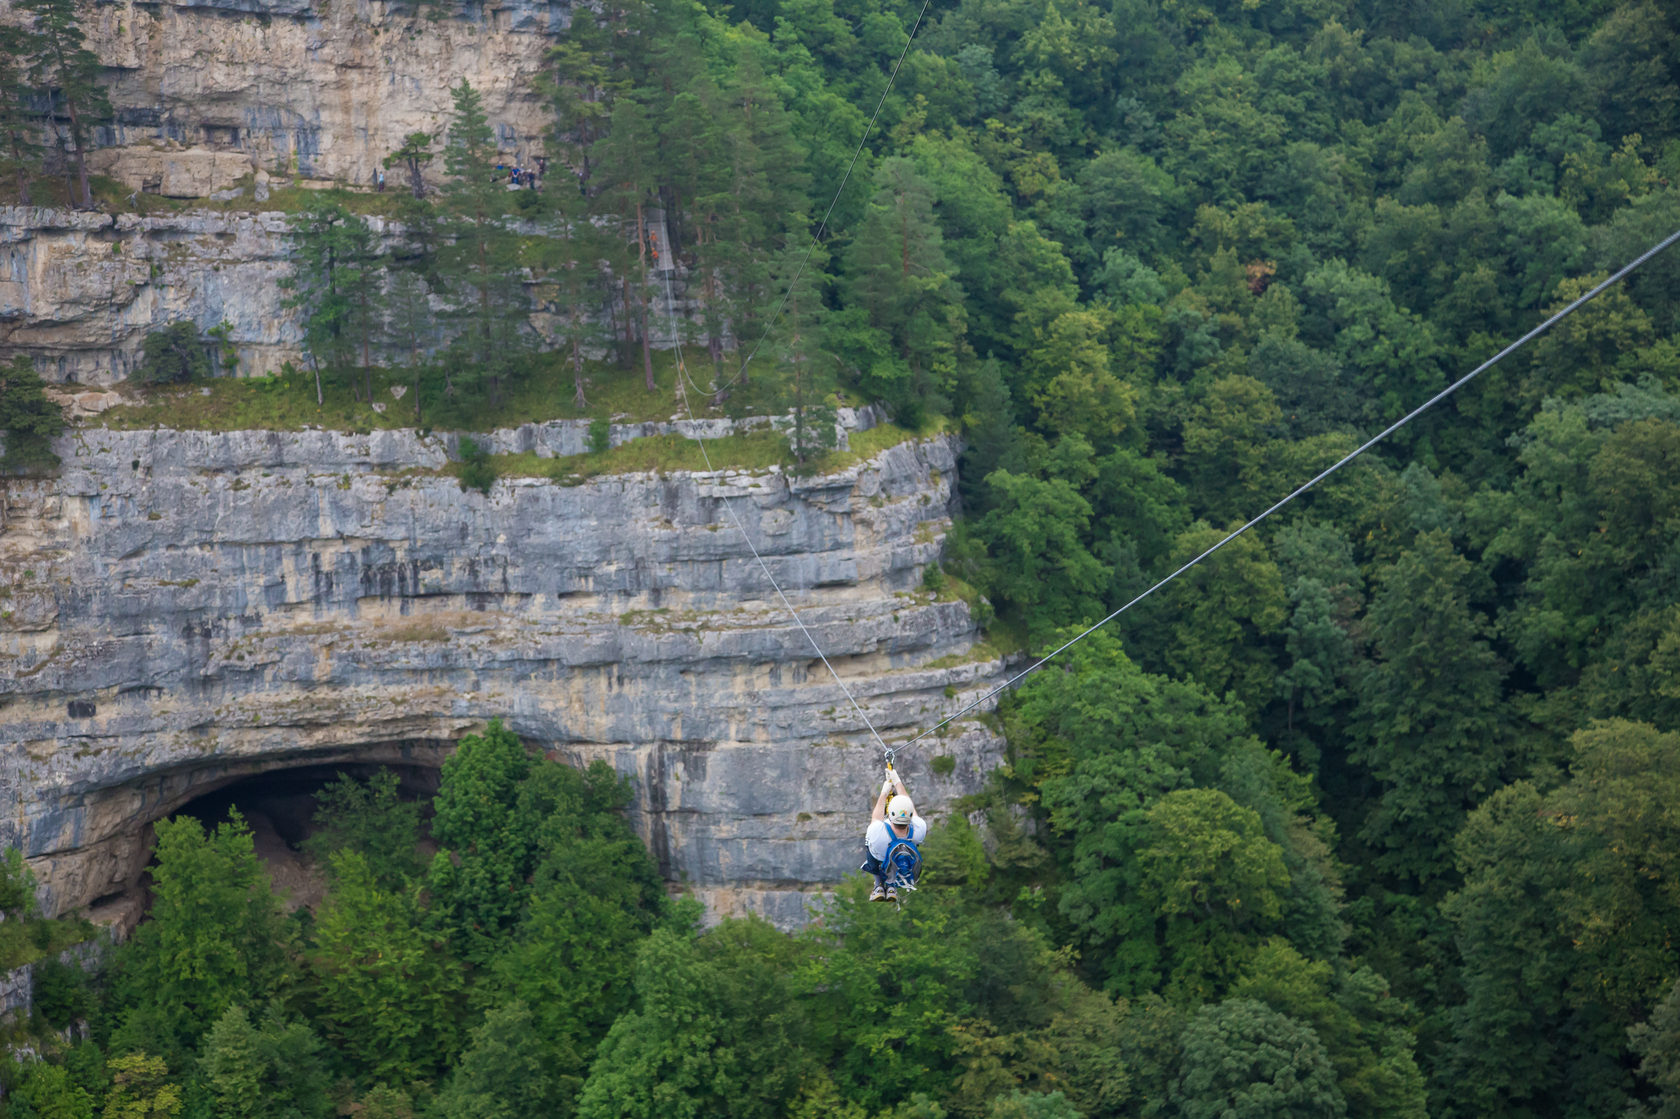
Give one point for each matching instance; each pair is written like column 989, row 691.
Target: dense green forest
column 1374, row 813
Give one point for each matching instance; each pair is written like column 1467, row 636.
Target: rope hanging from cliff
column 676, row 339
column 1315, row 480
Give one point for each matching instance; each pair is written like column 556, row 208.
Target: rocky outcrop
column 206, row 93
column 17, row 986
column 180, row 609
column 214, row 98
column 79, row 292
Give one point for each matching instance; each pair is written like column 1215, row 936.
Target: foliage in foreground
column 1366, row 812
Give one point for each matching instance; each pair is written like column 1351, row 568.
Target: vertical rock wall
column 206, row 93
column 79, row 292
column 184, row 608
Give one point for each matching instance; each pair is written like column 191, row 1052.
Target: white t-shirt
column 880, row 834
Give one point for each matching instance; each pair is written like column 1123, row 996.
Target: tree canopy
column 1369, row 814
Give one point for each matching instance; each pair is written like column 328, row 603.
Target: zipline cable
column 676, row 339
column 816, row 238
column 683, row 374
column 1316, row 479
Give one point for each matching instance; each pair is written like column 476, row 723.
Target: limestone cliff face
column 183, row 608
column 208, row 91
column 79, row 292
column 210, row 95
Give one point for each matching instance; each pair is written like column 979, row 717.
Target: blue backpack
column 902, row 862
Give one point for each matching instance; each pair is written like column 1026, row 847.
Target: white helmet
column 900, row 809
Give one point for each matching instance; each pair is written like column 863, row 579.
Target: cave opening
column 279, row 806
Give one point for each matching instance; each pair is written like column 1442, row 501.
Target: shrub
column 28, row 419
column 62, row 993
column 600, row 437
column 227, row 354
column 174, row 355
column 476, row 472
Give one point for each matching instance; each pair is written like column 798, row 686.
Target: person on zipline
column 893, row 824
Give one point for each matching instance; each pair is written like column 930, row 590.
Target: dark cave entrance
column 287, row 796
column 279, row 806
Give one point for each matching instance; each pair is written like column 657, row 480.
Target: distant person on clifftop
column 889, row 846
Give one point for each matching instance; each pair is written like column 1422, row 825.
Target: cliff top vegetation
column 1371, row 815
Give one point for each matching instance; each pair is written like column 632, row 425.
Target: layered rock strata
column 181, row 609
column 207, row 92
column 79, row 292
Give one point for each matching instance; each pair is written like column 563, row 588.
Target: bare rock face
column 207, row 93
column 79, row 292
column 180, row 609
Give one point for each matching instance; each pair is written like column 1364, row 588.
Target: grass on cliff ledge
column 113, row 197
column 753, row 450
column 286, row 402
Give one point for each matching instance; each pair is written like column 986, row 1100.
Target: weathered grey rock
column 557, row 438
column 183, row 608
column 79, row 292
column 17, row 988
column 208, row 92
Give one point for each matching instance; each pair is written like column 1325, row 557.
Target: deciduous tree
column 1244, row 1060
column 381, row 990
column 1428, row 726
column 215, row 937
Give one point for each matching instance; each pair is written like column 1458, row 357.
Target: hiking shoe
column 892, row 893
column 879, row 894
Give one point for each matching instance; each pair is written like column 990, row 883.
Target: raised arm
column 880, row 812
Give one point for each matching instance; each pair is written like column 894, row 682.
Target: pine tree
column 593, row 64
column 336, row 283
column 479, row 260
column 804, row 376
column 571, row 265
column 589, row 68
column 20, row 148
column 628, row 185
column 412, row 156
column 64, row 65
column 409, row 325
column 28, row 420
column 904, row 317
column 765, row 185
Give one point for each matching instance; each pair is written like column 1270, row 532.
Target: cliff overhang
column 183, row 609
